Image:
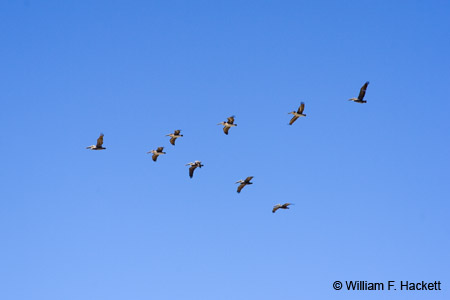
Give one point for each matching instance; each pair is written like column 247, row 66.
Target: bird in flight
column 361, row 95
column 194, row 165
column 297, row 114
column 156, row 153
column 173, row 136
column 99, row 144
column 244, row 183
column 226, row 125
column 282, row 206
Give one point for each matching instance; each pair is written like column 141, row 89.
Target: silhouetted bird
column 362, row 93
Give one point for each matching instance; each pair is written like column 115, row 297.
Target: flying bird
column 282, row 206
column 99, row 144
column 194, row 165
column 226, row 125
column 176, row 134
column 156, row 153
column 362, row 93
column 244, row 183
column 297, row 114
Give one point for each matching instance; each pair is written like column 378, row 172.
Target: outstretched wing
column 285, row 205
column 177, row 132
column 294, row 118
column 276, row 207
column 231, row 120
column 160, row 149
column 225, row 129
column 100, row 140
column 172, row 141
column 155, row 157
column 301, row 108
column 362, row 92
column 240, row 187
column 248, row 178
column 191, row 170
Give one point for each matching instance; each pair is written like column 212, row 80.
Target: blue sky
column 369, row 182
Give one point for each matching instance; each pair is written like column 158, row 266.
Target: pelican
column 99, row 144
column 176, row 134
column 156, row 153
column 297, row 114
column 362, row 93
column 244, row 183
column 194, row 165
column 282, row 206
column 226, row 125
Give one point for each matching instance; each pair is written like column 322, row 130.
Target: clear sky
column 370, row 182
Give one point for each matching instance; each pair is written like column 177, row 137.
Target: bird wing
column 191, row 170
column 177, row 132
column 155, row 157
column 240, row 187
column 285, row 205
column 172, row 141
column 231, row 120
column 225, row 129
column 301, row 108
column 160, row 149
column 294, row 118
column 276, row 207
column 362, row 92
column 100, row 140
column 248, row 178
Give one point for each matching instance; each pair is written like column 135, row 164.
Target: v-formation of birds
column 226, row 127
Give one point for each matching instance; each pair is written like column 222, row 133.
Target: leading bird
column 361, row 95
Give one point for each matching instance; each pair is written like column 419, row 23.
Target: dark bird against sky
column 282, row 206
column 99, row 144
column 194, row 165
column 361, row 95
column 244, row 183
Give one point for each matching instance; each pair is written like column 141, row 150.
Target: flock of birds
column 226, row 127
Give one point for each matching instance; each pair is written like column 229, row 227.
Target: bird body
column 228, row 124
column 282, row 206
column 99, row 145
column 176, row 134
column 243, row 183
column 362, row 93
column 297, row 114
column 156, row 153
column 194, row 165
